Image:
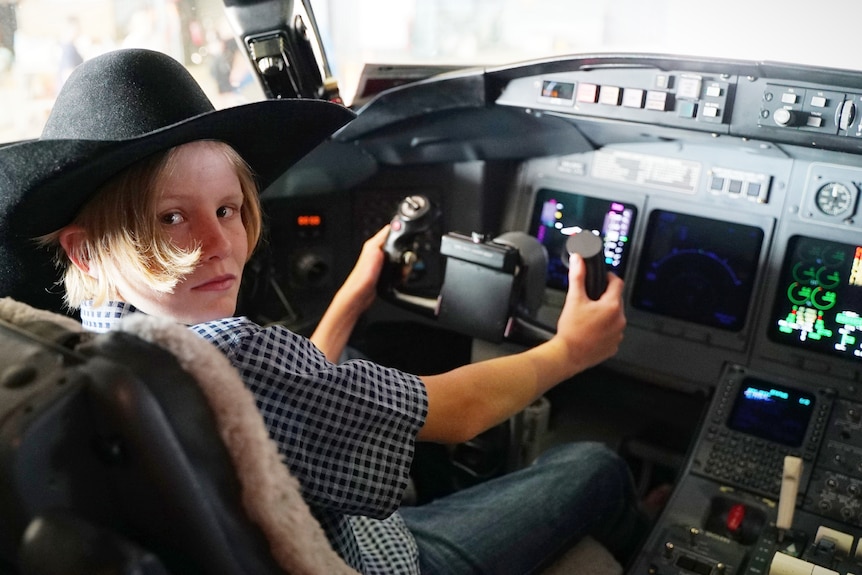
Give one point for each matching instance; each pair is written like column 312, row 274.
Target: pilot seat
column 118, row 456
column 141, row 451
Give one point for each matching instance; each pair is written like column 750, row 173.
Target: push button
column 588, row 93
column 633, row 98
column 687, row 109
column 656, row 101
column 789, row 98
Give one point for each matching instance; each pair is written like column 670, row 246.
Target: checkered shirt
column 346, row 431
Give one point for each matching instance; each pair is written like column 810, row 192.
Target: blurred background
column 42, row 40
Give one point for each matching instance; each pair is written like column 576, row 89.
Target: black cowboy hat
column 116, row 109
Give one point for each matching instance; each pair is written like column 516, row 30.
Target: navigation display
column 771, row 412
column 819, row 301
column 557, row 215
column 698, row 269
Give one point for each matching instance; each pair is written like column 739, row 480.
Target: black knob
column 784, row 117
column 590, row 247
column 310, row 269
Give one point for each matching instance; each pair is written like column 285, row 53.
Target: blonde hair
column 123, row 235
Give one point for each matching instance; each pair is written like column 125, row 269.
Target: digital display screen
column 562, row 92
column 698, row 269
column 557, row 215
column 819, row 301
column 771, row 412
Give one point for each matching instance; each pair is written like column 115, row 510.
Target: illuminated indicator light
column 804, row 401
column 549, row 210
column 540, row 235
column 856, row 268
column 309, row 221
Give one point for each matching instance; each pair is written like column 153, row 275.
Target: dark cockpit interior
column 725, row 193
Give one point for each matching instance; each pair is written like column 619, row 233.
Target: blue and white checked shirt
column 347, row 431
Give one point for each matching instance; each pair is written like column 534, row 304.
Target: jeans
column 521, row 522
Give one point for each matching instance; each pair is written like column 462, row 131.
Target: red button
column 735, row 517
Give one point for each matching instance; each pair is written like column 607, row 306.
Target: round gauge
column 834, row 198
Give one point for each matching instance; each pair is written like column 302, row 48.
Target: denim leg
column 522, row 521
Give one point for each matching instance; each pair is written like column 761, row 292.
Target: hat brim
column 44, row 183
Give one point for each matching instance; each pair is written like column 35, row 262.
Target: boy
column 167, row 229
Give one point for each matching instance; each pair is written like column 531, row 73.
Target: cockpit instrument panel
column 818, row 306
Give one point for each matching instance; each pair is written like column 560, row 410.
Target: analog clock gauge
column 834, row 198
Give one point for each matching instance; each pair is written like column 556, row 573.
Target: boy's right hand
column 591, row 330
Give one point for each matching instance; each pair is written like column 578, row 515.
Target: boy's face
column 199, row 204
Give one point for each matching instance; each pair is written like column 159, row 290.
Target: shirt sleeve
column 347, row 431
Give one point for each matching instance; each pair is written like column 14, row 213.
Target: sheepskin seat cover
column 270, row 494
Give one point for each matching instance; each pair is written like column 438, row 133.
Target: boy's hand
column 591, row 330
column 361, row 285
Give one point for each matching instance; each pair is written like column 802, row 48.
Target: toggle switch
column 692, row 536
column 668, row 550
column 843, row 541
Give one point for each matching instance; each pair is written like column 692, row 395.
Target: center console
column 722, row 517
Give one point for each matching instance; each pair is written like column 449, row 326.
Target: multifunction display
column 698, row 269
column 819, row 301
column 557, row 215
column 771, row 412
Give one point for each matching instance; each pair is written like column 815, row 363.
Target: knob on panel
column 310, row 269
column 785, row 117
column 590, row 247
column 845, row 115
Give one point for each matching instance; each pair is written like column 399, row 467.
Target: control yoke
column 491, row 288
